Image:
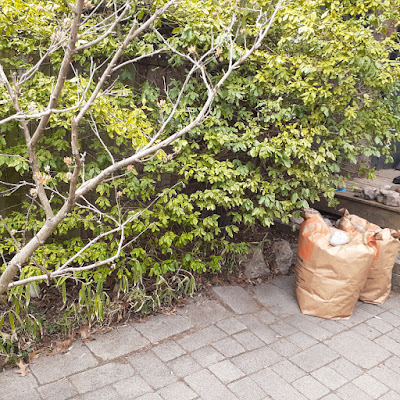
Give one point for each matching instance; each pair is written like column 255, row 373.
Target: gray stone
column 226, row 371
column 99, row 377
column 161, row 327
column 208, row 387
column 254, row 264
column 177, row 391
column 358, row 349
column 328, row 222
column 60, row 390
column 236, row 298
column 283, row 254
column 380, row 198
column 246, row 389
column 123, row 340
column 313, row 358
column 47, row 369
column 132, row 387
column 34, row 291
column 370, row 192
column 310, row 387
column 152, row 370
column 391, row 198
column 296, row 220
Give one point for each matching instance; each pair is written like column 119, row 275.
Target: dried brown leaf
column 22, row 368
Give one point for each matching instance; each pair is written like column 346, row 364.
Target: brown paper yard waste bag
column 379, row 281
column 329, row 278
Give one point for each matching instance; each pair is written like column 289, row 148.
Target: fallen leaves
column 22, row 368
column 84, row 333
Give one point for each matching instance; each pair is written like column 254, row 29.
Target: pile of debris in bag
column 337, row 266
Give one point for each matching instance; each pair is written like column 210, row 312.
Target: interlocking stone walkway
column 247, row 343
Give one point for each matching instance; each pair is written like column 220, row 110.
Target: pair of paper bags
column 330, row 279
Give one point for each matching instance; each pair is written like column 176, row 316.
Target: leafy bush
column 320, row 90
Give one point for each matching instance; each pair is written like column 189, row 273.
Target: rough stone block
column 283, row 255
column 254, row 264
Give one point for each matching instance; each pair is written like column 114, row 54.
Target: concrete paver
column 250, row 343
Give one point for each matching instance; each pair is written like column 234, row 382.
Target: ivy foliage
column 320, row 90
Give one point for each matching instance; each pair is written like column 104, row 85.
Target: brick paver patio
column 248, row 343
